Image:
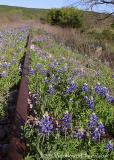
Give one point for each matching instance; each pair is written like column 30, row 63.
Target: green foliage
column 105, row 34
column 19, row 13
column 112, row 25
column 65, row 17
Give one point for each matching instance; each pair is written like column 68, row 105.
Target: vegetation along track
column 11, row 146
column 43, row 50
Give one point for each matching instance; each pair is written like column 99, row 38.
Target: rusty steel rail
column 16, row 146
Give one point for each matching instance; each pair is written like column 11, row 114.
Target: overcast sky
column 48, row 4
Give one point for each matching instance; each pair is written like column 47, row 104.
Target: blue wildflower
column 5, row 65
column 66, row 120
column 65, row 67
column 85, row 98
column 31, row 72
column 113, row 76
column 59, row 71
column 96, row 135
column 45, row 80
column 85, row 88
column 68, row 90
column 71, row 88
column 80, row 134
column 52, row 65
column 101, row 128
column 55, row 62
column 92, row 121
column 74, row 73
column 104, row 92
column 38, row 66
column 109, row 147
column 52, row 78
column 45, row 124
column 3, row 74
column 44, row 72
column 109, row 98
column 51, row 90
column 91, row 103
column 98, row 89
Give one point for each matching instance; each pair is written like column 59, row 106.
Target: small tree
column 53, row 16
column 65, row 17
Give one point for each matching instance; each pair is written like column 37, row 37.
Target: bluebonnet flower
column 80, row 134
column 104, row 92
column 51, row 90
column 38, row 66
column 52, row 65
column 31, row 72
column 59, row 71
column 85, row 98
column 3, row 74
column 45, row 124
column 52, row 78
column 44, row 72
column 5, row 65
column 45, row 80
column 92, row 121
column 71, row 88
column 109, row 98
column 74, row 73
column 101, row 128
column 96, row 135
column 85, row 88
column 113, row 76
column 65, row 67
column 68, row 90
column 66, row 120
column 109, row 147
column 98, row 89
column 55, row 62
column 90, row 103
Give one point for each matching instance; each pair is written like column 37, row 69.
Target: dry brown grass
column 82, row 42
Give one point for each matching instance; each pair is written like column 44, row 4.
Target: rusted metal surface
column 16, row 147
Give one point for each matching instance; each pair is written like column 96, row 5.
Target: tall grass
column 82, row 41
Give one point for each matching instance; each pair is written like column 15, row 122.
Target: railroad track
column 12, row 146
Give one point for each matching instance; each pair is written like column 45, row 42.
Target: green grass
column 11, row 53
column 19, row 13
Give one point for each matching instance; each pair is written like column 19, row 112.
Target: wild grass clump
column 94, row 42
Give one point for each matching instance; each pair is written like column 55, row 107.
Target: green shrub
column 112, row 25
column 65, row 17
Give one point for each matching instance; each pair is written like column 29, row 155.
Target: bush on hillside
column 65, row 17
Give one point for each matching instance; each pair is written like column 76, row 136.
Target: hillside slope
column 12, row 14
column 8, row 13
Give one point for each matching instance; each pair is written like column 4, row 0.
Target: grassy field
column 11, row 14
column 95, row 38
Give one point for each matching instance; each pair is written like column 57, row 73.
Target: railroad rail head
column 16, row 146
